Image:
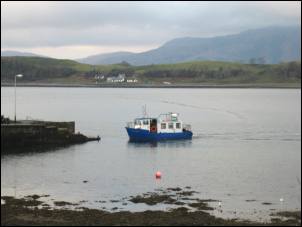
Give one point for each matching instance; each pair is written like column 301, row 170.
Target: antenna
column 145, row 110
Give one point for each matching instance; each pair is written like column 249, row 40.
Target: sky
column 77, row 29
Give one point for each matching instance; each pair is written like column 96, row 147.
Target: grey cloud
column 127, row 23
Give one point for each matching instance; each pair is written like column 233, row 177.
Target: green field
column 47, row 70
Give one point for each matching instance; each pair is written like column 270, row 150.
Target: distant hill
column 269, row 45
column 10, row 53
column 109, row 58
column 49, row 70
column 39, row 68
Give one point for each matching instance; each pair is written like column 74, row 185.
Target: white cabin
column 165, row 123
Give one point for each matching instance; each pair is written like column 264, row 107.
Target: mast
column 145, row 110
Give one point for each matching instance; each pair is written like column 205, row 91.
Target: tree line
column 43, row 70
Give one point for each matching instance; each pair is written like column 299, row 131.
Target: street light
column 19, row 76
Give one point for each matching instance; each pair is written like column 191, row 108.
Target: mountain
column 10, row 53
column 266, row 45
column 109, row 58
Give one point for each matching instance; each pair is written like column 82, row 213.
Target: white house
column 119, row 79
column 131, row 80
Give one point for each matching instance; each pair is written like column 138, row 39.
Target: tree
column 252, row 61
column 261, row 60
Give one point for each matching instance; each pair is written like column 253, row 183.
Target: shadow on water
column 161, row 144
column 32, row 150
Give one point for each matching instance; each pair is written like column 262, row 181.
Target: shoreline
column 29, row 210
column 198, row 86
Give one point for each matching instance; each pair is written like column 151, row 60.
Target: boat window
column 170, row 125
column 163, row 125
column 153, row 121
column 178, row 125
column 146, row 122
column 137, row 122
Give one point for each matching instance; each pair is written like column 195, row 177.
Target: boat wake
column 246, row 136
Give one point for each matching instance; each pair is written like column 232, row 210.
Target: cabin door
column 153, row 125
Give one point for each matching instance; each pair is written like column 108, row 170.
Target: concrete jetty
column 28, row 133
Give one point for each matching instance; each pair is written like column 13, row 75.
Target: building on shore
column 119, row 79
column 132, row 80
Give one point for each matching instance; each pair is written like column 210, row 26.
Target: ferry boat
column 164, row 127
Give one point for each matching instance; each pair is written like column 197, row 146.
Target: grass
column 48, row 70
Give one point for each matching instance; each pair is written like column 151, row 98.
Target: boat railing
column 187, row 127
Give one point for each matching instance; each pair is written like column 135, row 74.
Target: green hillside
column 47, row 70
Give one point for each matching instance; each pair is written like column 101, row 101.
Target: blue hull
column 140, row 135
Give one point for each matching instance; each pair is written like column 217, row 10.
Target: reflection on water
column 33, row 150
column 161, row 144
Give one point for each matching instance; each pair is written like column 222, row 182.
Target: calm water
column 246, row 146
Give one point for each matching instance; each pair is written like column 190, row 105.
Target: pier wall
column 37, row 128
column 42, row 133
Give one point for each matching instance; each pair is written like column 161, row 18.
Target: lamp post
column 19, row 76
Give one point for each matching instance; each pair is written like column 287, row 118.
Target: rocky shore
column 31, row 210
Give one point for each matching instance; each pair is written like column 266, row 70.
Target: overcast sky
column 78, row 29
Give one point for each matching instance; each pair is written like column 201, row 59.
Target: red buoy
column 158, row 175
